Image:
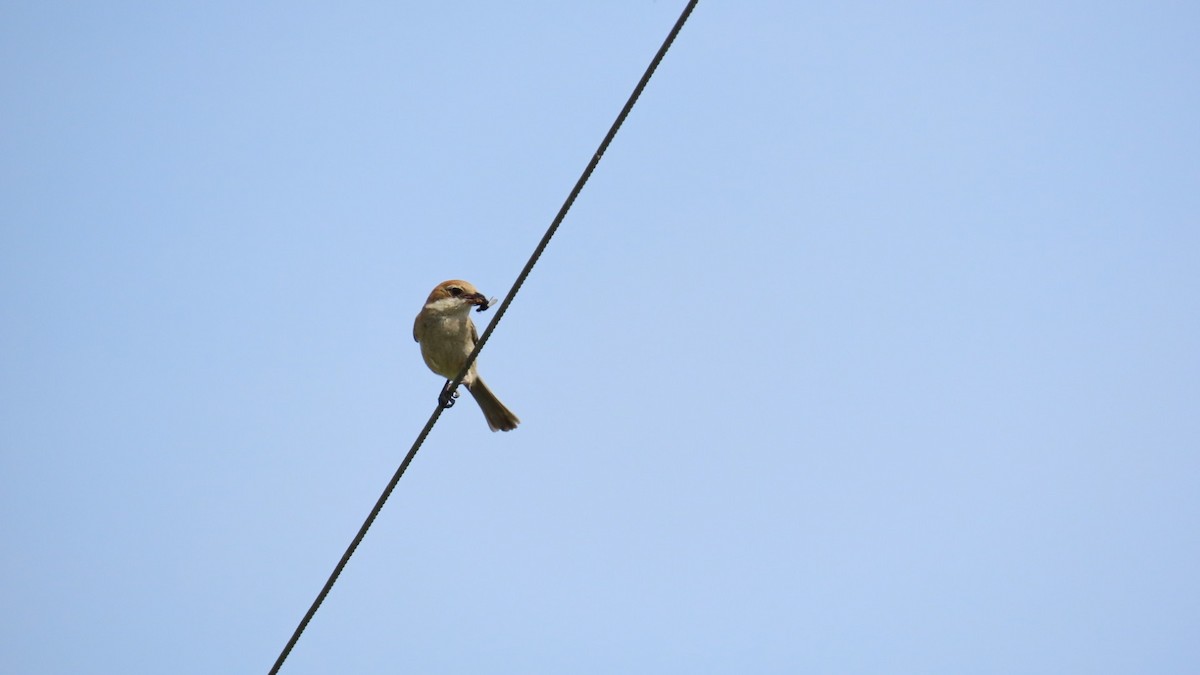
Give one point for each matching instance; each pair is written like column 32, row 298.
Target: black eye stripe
column 455, row 291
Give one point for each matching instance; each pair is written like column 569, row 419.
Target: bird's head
column 457, row 291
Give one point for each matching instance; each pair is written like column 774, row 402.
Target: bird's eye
column 455, row 291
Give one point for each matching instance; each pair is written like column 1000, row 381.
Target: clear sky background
column 873, row 346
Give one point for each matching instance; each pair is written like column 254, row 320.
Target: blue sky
column 870, row 347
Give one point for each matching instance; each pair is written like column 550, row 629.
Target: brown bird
column 447, row 336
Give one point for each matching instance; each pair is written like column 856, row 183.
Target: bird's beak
column 478, row 299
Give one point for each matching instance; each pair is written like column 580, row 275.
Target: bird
column 447, row 336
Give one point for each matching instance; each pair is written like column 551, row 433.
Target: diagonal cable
column 537, row 253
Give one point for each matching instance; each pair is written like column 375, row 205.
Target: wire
column 537, row 253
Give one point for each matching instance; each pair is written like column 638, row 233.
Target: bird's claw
column 446, row 399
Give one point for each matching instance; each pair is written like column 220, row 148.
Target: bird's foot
column 446, row 398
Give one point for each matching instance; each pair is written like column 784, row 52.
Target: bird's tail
column 499, row 418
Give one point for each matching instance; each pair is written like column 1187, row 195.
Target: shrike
column 447, row 336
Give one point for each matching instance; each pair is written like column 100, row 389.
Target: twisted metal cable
column 454, row 384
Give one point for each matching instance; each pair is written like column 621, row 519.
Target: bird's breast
column 445, row 343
